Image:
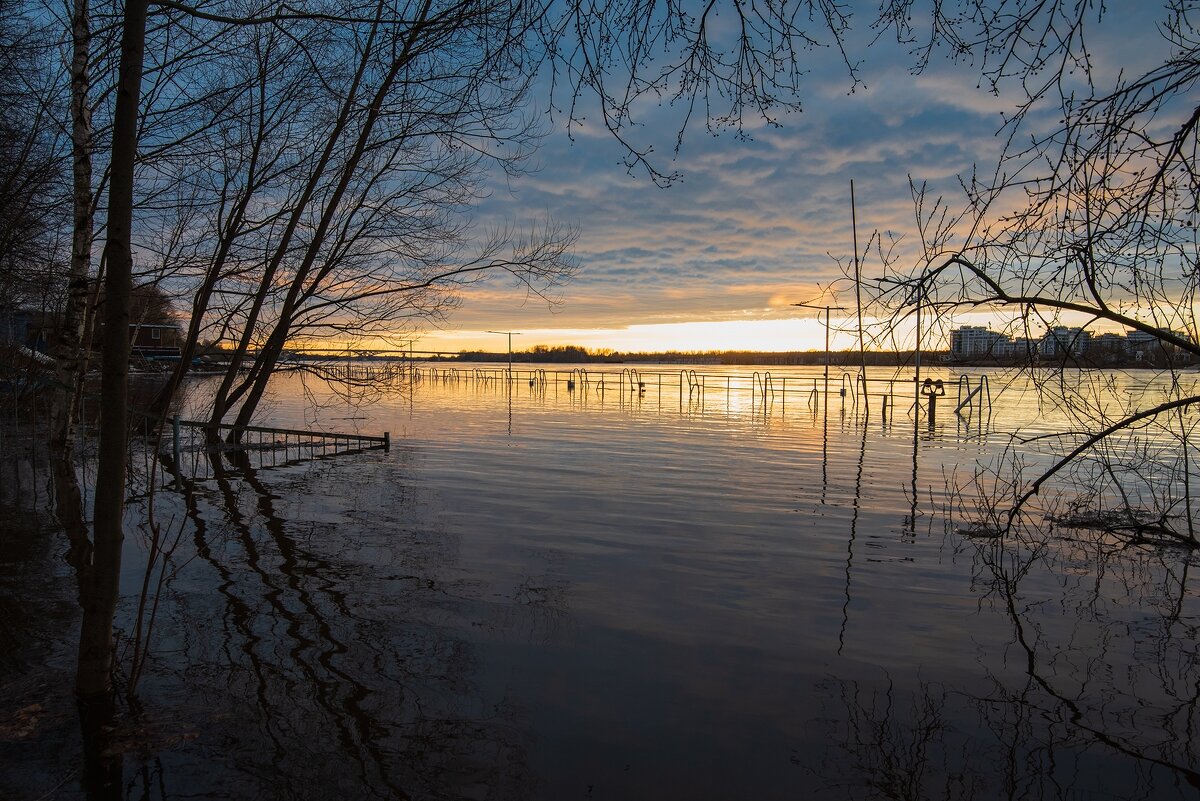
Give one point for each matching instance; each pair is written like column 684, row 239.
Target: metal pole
column 826, row 351
column 827, row 308
column 862, row 348
column 509, row 334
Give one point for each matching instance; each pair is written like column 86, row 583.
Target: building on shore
column 1064, row 342
column 1060, row 343
column 976, row 341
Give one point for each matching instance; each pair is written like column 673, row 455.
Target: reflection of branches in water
column 1112, row 662
column 334, row 645
column 236, row 613
column 342, row 386
column 1137, row 484
column 1095, row 693
column 338, row 694
column 901, row 747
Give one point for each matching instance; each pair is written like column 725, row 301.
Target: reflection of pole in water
column 912, row 515
column 912, row 520
column 825, row 415
column 862, row 457
column 825, row 446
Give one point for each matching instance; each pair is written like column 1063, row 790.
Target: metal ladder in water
column 969, row 398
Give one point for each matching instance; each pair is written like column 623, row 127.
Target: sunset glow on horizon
column 758, row 335
column 792, row 334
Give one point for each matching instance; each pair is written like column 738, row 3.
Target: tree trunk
column 70, row 356
column 93, row 676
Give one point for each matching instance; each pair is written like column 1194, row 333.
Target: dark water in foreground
column 543, row 595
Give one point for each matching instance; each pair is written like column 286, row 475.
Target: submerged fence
column 203, row 450
column 869, row 396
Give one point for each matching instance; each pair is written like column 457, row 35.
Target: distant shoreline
column 841, row 359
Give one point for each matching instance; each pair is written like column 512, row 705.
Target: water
column 542, row 594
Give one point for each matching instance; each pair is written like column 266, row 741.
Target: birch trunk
column 70, row 358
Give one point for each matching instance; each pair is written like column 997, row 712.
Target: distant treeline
column 574, row 354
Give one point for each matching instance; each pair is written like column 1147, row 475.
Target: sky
column 716, row 260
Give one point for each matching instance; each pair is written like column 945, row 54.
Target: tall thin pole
column 827, row 308
column 509, row 334
column 862, row 348
column 827, row 348
column 917, row 363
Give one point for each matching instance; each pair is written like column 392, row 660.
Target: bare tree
column 307, row 171
column 1095, row 217
column 342, row 191
column 28, row 163
column 721, row 64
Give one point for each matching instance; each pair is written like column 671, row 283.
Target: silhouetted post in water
column 809, row 305
column 862, row 348
column 509, row 334
column 412, row 369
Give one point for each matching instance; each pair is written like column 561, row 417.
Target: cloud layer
column 753, row 226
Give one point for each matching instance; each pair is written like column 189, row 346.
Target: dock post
column 387, row 440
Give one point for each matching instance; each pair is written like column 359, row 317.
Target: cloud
column 753, row 225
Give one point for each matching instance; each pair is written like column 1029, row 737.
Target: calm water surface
column 552, row 595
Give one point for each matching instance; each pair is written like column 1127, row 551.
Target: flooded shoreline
column 540, row 596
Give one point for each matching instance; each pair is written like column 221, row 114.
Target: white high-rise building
column 969, row 341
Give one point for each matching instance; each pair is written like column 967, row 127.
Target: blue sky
column 716, row 260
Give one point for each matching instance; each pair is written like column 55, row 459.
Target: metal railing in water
column 852, row 388
column 636, row 384
column 199, row 446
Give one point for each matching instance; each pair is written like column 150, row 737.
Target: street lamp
column 810, row 305
column 510, row 335
column 408, row 343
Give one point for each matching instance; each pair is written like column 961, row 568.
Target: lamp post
column 408, row 344
column 510, row 335
column 809, row 305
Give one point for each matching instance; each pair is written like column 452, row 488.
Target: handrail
column 761, row 383
column 981, row 395
column 290, row 431
column 695, row 384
